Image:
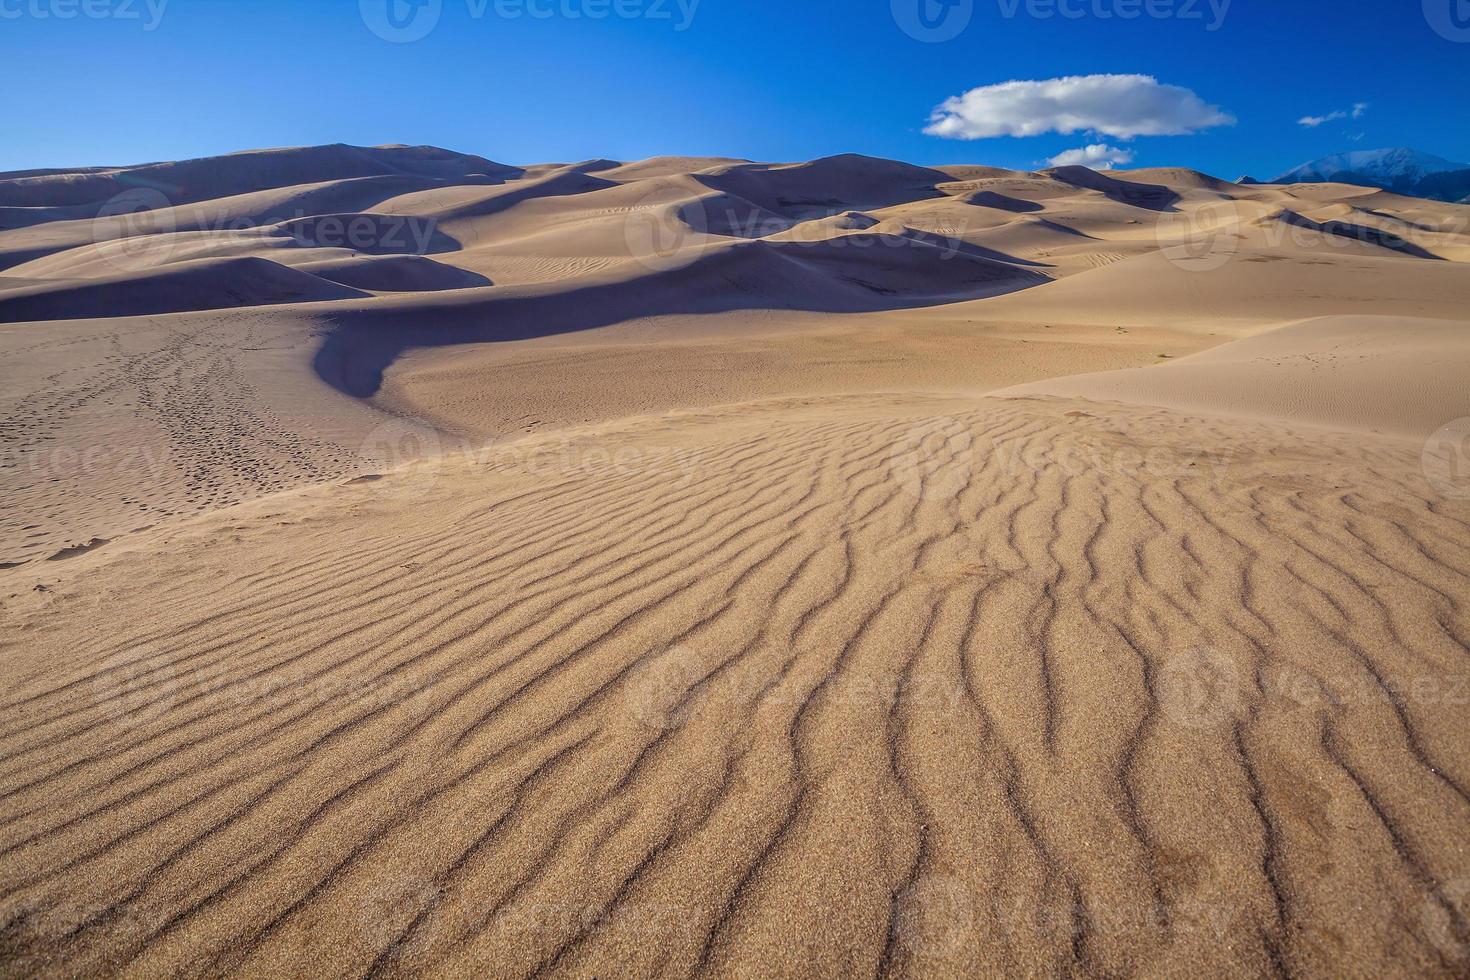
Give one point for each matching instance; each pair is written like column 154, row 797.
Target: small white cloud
column 1121, row 106
column 1097, row 156
column 1357, row 112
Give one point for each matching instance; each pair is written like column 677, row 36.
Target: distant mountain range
column 1401, row 170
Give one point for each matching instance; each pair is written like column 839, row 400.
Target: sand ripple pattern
column 832, row 689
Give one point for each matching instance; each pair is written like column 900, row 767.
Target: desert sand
column 417, row 565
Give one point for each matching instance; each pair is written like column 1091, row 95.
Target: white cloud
column 1312, row 122
column 1357, row 112
column 1094, row 156
column 1121, row 106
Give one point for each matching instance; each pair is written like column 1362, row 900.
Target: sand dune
column 1391, row 375
column 198, row 285
column 701, row 567
column 214, row 177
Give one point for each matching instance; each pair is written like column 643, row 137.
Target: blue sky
column 121, row 81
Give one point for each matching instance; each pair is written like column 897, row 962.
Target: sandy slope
column 1395, row 375
column 832, row 569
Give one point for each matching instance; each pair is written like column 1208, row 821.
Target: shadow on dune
column 827, row 186
column 1367, row 234
column 825, row 277
column 1002, row 202
column 1376, row 236
column 1151, row 197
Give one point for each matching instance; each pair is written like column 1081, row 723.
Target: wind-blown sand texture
column 693, row 567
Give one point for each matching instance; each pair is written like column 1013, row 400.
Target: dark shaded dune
column 12, row 219
column 75, row 227
column 394, row 273
column 731, row 216
column 495, row 200
column 370, row 234
column 991, row 199
column 190, row 181
column 1152, row 197
column 1367, row 234
column 841, row 183
column 839, row 276
column 209, row 284
column 593, row 166
column 1376, row 236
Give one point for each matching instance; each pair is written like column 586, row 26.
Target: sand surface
column 412, row 564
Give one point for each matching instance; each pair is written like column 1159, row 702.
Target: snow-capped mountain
column 1399, row 169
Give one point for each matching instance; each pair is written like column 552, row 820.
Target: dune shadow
column 827, row 277
column 1002, row 202
column 1376, row 236
column 1151, row 197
